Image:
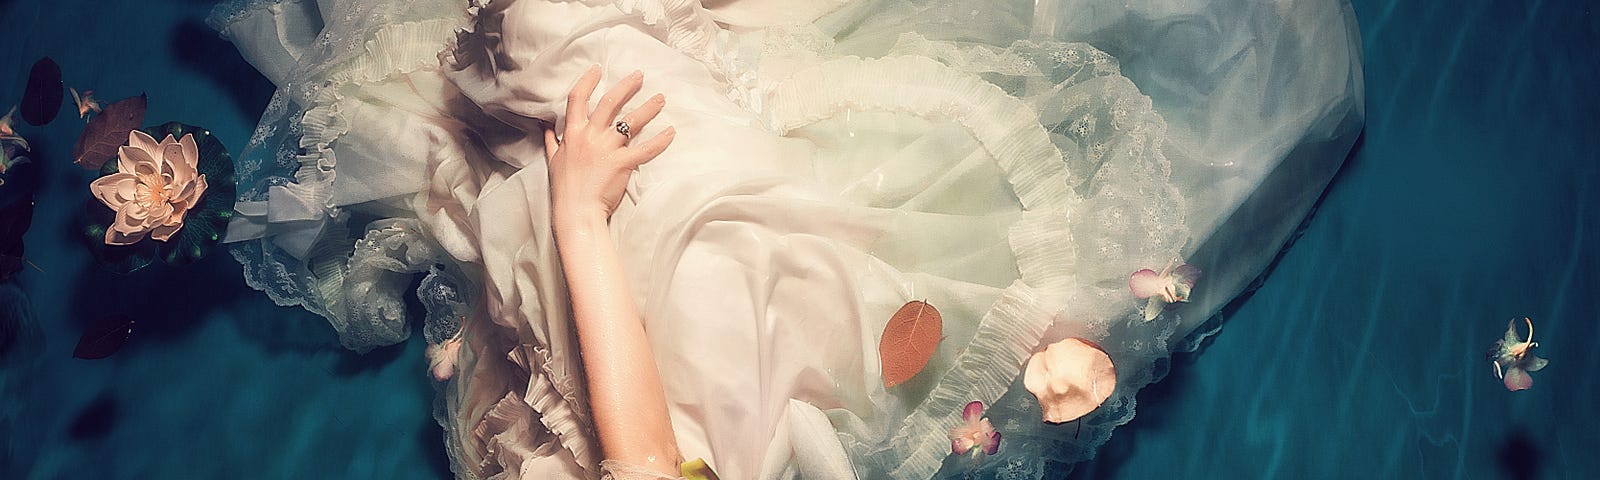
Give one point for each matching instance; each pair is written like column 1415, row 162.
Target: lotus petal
column 1518, row 379
column 1146, row 283
column 1070, row 378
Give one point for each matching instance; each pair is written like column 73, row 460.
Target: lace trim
column 225, row 14
column 393, row 50
column 688, row 28
column 1126, row 191
column 1039, row 177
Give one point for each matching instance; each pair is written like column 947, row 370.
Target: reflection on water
column 1471, row 201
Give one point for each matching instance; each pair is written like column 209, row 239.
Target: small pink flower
column 85, row 101
column 442, row 358
column 1164, row 289
column 1513, row 359
column 10, row 143
column 976, row 432
column 155, row 185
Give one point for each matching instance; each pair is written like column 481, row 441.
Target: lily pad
column 42, row 98
column 203, row 225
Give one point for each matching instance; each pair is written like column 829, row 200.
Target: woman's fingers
column 550, row 143
column 641, row 153
column 578, row 99
column 640, row 117
column 606, row 110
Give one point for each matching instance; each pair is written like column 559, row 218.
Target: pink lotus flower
column 976, row 432
column 155, row 185
column 1513, row 360
column 1164, row 289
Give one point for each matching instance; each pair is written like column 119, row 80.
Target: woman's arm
column 589, row 169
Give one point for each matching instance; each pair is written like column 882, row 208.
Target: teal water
column 1471, row 199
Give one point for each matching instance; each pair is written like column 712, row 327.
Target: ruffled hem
column 393, row 50
column 1041, row 240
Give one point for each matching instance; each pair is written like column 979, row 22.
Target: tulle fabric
column 974, row 155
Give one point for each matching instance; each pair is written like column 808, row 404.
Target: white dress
column 835, row 159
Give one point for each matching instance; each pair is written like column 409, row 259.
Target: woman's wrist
column 576, row 219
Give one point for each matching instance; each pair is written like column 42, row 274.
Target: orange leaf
column 909, row 341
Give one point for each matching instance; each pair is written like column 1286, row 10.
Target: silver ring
column 622, row 128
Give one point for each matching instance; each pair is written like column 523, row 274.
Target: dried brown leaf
column 908, row 342
column 107, row 131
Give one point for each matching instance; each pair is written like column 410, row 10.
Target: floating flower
column 10, row 143
column 155, row 186
column 976, row 432
column 1164, row 289
column 1070, row 378
column 442, row 358
column 1512, row 359
column 85, row 102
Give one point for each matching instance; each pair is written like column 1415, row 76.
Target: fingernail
column 637, row 73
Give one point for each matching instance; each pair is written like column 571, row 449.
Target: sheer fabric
column 834, row 160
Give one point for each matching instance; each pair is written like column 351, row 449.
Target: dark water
column 1473, row 198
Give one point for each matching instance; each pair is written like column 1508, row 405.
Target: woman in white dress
column 831, row 161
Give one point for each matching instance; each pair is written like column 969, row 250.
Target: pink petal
column 191, row 151
column 442, row 358
column 163, row 232
column 123, row 231
column 172, row 159
column 129, row 159
column 993, row 445
column 1146, row 283
column 143, row 141
column 129, row 218
column 960, row 445
column 972, row 412
column 1186, row 274
column 114, row 189
column 159, row 213
column 1518, row 379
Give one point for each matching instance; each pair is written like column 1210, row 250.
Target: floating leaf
column 909, row 341
column 107, row 131
column 41, row 101
column 203, row 225
column 104, row 337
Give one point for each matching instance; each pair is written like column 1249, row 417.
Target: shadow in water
column 199, row 48
column 1519, row 456
column 95, row 420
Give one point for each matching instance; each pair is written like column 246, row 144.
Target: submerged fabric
column 824, row 174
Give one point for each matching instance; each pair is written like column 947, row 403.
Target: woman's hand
column 591, row 161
